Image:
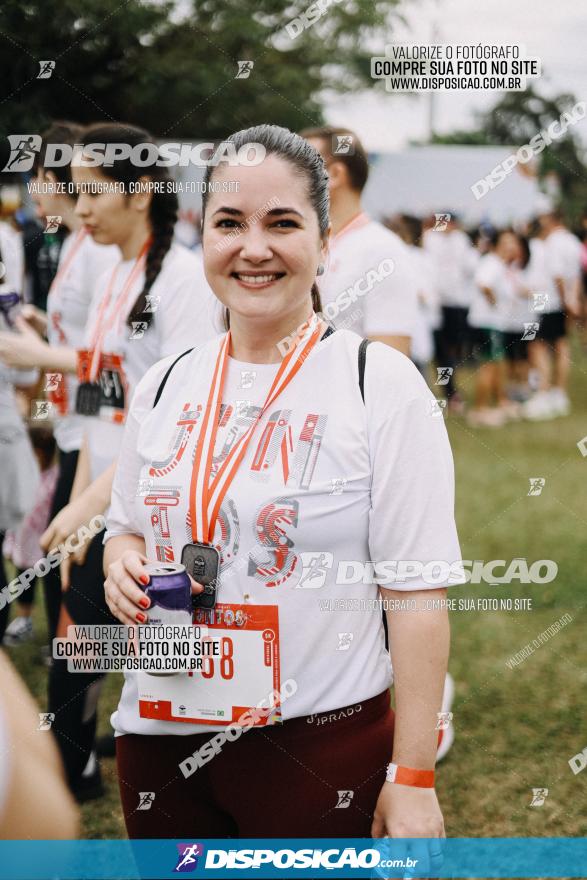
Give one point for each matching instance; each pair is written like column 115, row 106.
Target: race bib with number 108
column 243, row 674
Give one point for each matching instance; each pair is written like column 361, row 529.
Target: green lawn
column 515, row 728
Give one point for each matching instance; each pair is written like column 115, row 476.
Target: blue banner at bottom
column 529, row 857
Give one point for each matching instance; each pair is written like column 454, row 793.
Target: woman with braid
column 155, row 302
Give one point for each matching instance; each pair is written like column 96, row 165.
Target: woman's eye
column 285, row 224
column 227, row 224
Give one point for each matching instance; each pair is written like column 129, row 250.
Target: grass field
column 516, row 729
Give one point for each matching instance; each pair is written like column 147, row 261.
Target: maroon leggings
column 280, row 781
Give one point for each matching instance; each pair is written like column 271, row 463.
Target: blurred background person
column 491, row 302
column 18, row 465
column 409, row 229
column 386, row 307
column 154, row 302
column 562, row 267
column 517, row 313
column 21, row 545
column 455, row 261
column 34, row 801
column 48, row 340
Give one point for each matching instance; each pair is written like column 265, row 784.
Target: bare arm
column 82, row 471
column 39, row 805
column 25, row 349
column 87, row 500
column 419, row 642
column 488, row 294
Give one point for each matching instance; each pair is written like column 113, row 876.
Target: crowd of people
column 491, row 307
column 504, row 302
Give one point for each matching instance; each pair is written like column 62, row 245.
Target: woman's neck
column 257, row 342
column 344, row 207
column 131, row 246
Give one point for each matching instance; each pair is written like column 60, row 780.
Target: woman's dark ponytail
column 163, row 217
column 316, row 300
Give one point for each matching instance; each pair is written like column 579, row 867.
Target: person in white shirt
column 518, row 314
column 307, row 474
column 410, row 229
column 455, row 262
column 48, row 340
column 492, row 302
column 149, row 305
column 366, row 282
column 562, row 267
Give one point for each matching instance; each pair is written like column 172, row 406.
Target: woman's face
column 508, row 247
column 109, row 216
column 262, row 244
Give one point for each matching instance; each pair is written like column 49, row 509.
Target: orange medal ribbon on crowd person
column 58, row 394
column 202, row 559
column 88, row 395
column 66, row 265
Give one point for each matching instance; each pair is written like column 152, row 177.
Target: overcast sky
column 555, row 32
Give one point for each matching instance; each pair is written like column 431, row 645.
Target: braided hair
column 163, row 208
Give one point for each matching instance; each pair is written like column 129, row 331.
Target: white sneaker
column 19, row 631
column 486, row 418
column 512, row 410
column 559, row 401
column 539, row 407
column 448, row 734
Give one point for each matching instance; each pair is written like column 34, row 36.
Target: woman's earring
column 320, row 269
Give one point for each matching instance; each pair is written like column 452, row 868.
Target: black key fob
column 87, row 401
column 202, row 562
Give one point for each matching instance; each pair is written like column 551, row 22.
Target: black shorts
column 454, row 327
column 516, row 348
column 552, row 326
column 85, row 600
column 487, row 344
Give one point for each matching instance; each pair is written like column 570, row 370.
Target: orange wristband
column 408, row 776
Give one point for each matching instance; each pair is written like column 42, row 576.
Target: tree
column 139, row 62
column 514, row 120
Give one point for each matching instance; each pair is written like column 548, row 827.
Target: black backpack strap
column 362, row 364
column 166, row 377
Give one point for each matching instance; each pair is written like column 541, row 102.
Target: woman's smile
column 257, row 280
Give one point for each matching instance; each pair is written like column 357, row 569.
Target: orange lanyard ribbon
column 103, row 325
column 206, row 496
column 66, row 265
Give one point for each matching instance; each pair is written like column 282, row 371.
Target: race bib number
column 112, row 381
column 114, row 387
column 242, row 674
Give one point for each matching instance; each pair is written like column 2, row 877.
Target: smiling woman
column 280, row 209
column 249, row 483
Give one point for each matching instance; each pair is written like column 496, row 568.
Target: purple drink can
column 9, row 305
column 170, row 592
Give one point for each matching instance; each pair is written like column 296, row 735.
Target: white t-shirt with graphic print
column 183, row 309
column 327, row 483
